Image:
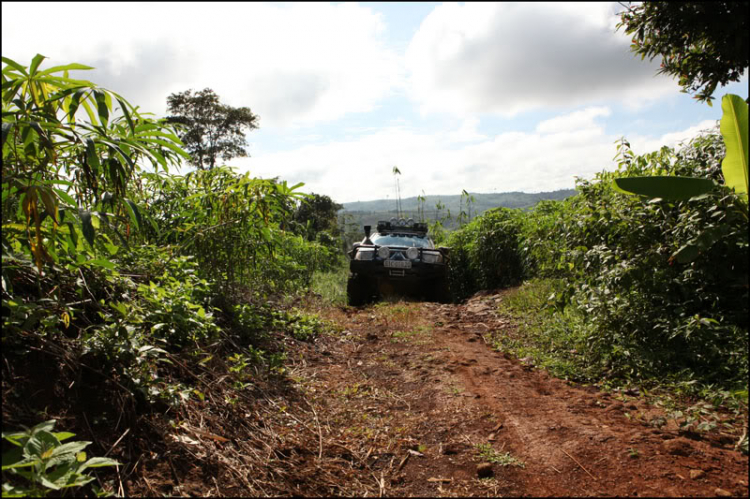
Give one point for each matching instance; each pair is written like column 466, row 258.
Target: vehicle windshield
column 401, row 240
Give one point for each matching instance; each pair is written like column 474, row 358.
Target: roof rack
column 401, row 225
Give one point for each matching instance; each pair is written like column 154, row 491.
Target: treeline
column 480, row 203
column 625, row 287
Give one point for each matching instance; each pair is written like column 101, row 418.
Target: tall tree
column 213, row 130
column 702, row 43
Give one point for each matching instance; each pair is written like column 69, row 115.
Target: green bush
column 653, row 288
column 485, row 253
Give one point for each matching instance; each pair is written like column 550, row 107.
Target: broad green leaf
column 671, row 188
column 40, row 445
column 64, row 435
column 45, row 426
column 47, row 483
column 70, row 448
column 734, row 130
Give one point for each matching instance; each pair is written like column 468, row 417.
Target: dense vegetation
column 114, row 266
column 619, row 287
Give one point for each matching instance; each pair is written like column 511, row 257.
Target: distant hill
column 369, row 212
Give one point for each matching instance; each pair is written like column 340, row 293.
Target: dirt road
column 413, row 393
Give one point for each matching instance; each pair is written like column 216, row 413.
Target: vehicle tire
column 357, row 291
column 441, row 292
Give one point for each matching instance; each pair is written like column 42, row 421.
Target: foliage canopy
column 212, row 130
column 704, row 44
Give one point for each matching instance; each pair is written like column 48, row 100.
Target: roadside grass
column 331, row 285
column 549, row 337
column 398, row 313
column 487, row 453
column 555, row 339
column 416, row 335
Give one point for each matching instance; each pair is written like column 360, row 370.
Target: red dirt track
column 427, row 369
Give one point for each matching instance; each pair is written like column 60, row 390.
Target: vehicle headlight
column 432, row 257
column 384, row 252
column 364, row 254
column 412, row 253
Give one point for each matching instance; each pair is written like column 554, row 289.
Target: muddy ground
column 404, row 399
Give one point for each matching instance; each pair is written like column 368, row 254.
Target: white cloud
column 574, row 121
column 506, row 58
column 290, row 63
column 644, row 144
column 547, row 159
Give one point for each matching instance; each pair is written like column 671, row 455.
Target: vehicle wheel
column 357, row 291
column 441, row 292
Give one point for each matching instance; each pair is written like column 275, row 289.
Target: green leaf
column 39, row 444
column 671, row 188
column 49, row 202
column 35, row 62
column 99, row 262
column 14, row 64
column 64, row 435
column 66, row 67
column 88, row 227
column 734, row 130
column 14, row 459
column 70, row 448
column 98, row 462
column 65, row 197
column 45, row 426
column 134, row 212
column 91, row 156
column 686, row 254
column 17, row 438
column 7, row 127
column 126, row 112
column 75, row 101
column 101, row 106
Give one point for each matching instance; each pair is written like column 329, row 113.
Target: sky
column 483, row 97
